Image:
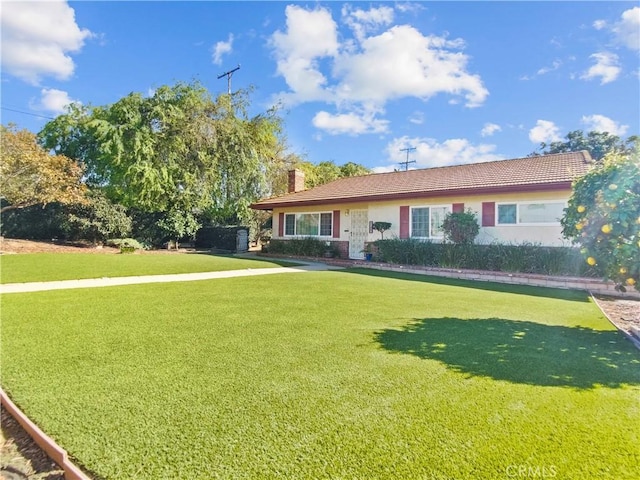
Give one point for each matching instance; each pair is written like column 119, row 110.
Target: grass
column 42, row 267
column 361, row 377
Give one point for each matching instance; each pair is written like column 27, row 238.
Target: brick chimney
column 296, row 181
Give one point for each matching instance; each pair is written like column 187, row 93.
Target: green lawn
column 43, row 267
column 342, row 374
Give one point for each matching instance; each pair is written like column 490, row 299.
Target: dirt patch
column 10, row 245
column 625, row 314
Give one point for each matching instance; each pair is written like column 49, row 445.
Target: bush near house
column 304, row 247
column 522, row 258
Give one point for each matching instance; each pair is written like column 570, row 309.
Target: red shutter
column 488, row 214
column 404, row 222
column 336, row 224
column 457, row 208
column 281, row 225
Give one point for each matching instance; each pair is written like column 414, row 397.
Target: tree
column 598, row 144
column 178, row 152
column 461, row 228
column 328, row 171
column 381, row 227
column 603, row 216
column 30, row 176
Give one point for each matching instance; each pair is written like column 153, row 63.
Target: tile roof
column 542, row 172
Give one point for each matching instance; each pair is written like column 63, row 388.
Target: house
column 516, row 201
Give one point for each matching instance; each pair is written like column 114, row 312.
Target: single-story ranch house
column 516, row 201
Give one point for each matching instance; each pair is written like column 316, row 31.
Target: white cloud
column 600, row 123
column 365, row 72
column 600, row 24
column 402, row 62
column 37, row 38
column 366, row 21
column 222, row 48
column 489, row 129
column 349, row 123
column 53, row 100
column 606, row 67
column 627, row 30
column 554, row 66
column 431, row 153
column 417, row 118
column 310, row 36
column 544, row 132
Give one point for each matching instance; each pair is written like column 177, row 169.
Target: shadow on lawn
column 563, row 294
column 520, row 351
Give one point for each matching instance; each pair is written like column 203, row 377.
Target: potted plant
column 368, row 252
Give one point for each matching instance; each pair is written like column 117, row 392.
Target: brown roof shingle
column 543, row 172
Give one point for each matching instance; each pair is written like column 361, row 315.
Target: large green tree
column 178, row 152
column 328, row 171
column 603, row 216
column 30, row 176
column 598, row 144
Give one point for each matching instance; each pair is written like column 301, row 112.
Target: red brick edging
column 46, row 443
column 592, row 285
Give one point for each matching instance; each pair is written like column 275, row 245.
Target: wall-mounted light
column 346, row 212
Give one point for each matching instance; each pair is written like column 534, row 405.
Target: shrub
column 461, row 227
column 499, row 257
column 99, row 219
column 126, row 245
column 304, row 247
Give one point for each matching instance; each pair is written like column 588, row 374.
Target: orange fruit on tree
column 591, row 261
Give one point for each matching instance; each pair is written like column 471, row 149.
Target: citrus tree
column 603, row 216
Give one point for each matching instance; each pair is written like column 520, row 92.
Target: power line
column 407, row 161
column 26, row 113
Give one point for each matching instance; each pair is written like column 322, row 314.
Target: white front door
column 358, row 233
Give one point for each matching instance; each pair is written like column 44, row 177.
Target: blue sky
column 460, row 82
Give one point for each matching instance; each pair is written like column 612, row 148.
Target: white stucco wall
column 550, row 235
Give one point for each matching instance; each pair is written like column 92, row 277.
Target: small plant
column 381, row 227
column 126, row 245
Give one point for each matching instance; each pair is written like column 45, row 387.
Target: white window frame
column 527, row 224
column 295, row 235
column 431, row 236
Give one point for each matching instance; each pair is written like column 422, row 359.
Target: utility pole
column 407, row 161
column 229, row 74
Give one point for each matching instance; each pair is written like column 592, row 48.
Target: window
column 308, row 224
column 420, row 222
column 507, row 214
column 530, row 213
column 426, row 222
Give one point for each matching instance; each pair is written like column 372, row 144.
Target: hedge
column 497, row 257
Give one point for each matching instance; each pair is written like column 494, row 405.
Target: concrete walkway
column 176, row 277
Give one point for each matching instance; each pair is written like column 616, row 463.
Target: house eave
column 532, row 187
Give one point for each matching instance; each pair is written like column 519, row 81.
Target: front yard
column 326, row 375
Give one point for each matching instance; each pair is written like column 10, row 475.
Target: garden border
column 45, row 442
column 591, row 285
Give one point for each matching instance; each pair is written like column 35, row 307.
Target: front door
column 358, row 233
